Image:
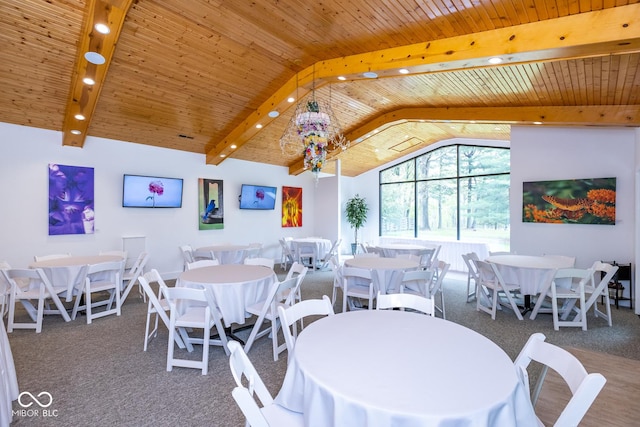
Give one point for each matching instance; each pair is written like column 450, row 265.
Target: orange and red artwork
column 291, row 207
column 573, row 201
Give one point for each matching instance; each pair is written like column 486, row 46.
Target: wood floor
column 618, row 404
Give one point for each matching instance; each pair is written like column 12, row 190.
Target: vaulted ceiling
column 201, row 75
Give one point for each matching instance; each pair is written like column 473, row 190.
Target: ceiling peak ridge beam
column 599, row 115
column 82, row 97
column 590, row 34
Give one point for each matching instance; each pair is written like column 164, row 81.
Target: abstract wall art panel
column 71, row 209
column 291, row 207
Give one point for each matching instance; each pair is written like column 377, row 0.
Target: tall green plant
column 356, row 210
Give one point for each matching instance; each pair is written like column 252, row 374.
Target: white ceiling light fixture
column 94, row 58
column 102, row 28
column 76, row 132
column 403, row 71
column 495, row 60
column 343, row 78
column 79, row 116
column 370, row 75
column 273, row 114
column 88, row 81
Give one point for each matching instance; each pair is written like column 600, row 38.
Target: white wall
column 540, row 154
column 26, row 153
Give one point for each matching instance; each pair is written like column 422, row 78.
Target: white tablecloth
column 387, row 269
column 227, row 254
column 235, row 287
column 391, row 250
column 396, row 368
column 64, row 271
column 532, row 273
column 319, row 245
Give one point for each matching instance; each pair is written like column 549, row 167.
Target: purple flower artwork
column 71, row 200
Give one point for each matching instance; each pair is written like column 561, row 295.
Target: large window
column 458, row 192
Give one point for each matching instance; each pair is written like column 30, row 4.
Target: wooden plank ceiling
column 200, row 75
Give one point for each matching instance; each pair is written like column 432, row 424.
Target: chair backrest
column 180, row 298
column 155, row 300
column 411, row 301
column 290, row 315
column 245, row 374
column 584, row 387
column 416, row 280
column 253, row 250
column 436, row 285
column 350, row 273
column 200, row 255
column 601, row 281
column 51, row 256
column 488, row 273
column 202, row 263
column 98, row 272
column 471, row 267
column 187, row 254
column 267, row 262
column 296, row 270
column 577, row 278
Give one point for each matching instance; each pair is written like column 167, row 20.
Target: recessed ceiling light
column 495, row 60
column 223, row 155
column 403, row 71
column 79, row 116
column 94, row 58
column 342, row 78
column 76, row 132
column 290, row 99
column 375, row 151
column 537, row 123
column 102, row 28
column 370, row 75
column 258, row 126
column 234, row 146
column 273, row 113
column 88, row 81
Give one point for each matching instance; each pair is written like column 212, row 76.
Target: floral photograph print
column 291, row 207
column 70, row 200
column 571, row 201
column 210, row 204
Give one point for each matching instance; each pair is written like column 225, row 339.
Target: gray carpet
column 99, row 375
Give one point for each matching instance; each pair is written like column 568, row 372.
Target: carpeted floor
column 99, row 375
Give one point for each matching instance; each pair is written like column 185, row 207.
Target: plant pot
column 354, row 248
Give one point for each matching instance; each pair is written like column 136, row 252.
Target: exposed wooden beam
column 605, row 32
column 83, row 97
column 600, row 115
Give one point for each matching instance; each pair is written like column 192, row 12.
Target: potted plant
column 356, row 216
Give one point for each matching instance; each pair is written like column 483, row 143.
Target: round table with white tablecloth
column 227, row 254
column 235, row 287
column 64, row 271
column 385, row 268
column 388, row 367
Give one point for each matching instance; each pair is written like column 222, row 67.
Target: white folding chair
column 158, row 306
column 130, row 277
column 435, row 288
column 357, row 283
column 337, row 278
column 267, row 310
column 491, row 287
column 248, row 384
column 599, row 288
column 39, row 289
column 287, row 256
column 411, row 301
column 584, row 387
column 289, row 317
column 5, row 289
column 202, row 263
column 300, row 271
column 333, row 252
column 51, row 256
column 194, row 309
column 267, row 262
column 187, row 255
column 472, row 274
column 103, row 277
column 253, row 250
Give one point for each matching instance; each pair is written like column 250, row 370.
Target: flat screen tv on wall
column 257, row 197
column 140, row 191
